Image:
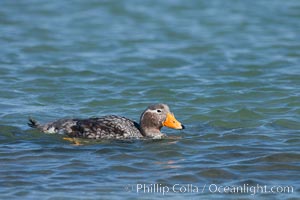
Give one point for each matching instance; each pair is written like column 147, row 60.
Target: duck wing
column 107, row 127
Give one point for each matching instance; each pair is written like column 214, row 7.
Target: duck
column 151, row 122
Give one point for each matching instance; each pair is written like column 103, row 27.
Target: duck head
column 155, row 117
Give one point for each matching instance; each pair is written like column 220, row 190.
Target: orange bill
column 172, row 122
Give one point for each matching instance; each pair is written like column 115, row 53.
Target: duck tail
column 33, row 123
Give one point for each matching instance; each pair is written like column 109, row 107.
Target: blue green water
column 229, row 70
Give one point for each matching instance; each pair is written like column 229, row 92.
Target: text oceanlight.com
column 208, row 188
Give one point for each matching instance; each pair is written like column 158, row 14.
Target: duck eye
column 158, row 111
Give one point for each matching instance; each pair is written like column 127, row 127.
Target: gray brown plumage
column 114, row 127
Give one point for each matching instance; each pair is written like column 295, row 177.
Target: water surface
column 228, row 70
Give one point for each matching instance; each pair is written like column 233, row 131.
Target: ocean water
column 229, row 70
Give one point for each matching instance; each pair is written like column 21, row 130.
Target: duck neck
column 151, row 132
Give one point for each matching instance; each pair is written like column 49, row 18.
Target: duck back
column 107, row 127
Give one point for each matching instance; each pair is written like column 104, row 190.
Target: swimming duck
column 114, row 127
